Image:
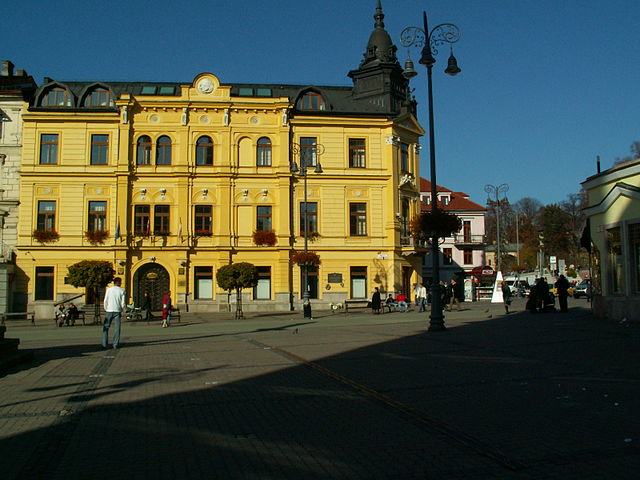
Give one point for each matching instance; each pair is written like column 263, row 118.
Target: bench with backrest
column 356, row 303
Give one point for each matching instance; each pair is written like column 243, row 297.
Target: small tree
column 236, row 277
column 91, row 274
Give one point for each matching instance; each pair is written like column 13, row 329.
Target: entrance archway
column 152, row 278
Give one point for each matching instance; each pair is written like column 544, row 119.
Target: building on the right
column 464, row 251
column 612, row 236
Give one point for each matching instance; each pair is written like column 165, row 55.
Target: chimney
column 7, row 68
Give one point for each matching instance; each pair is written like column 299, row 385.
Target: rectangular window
column 97, row 216
column 634, row 248
column 308, row 151
column 357, row 152
column 203, row 288
column 49, row 149
column 357, row 219
column 311, row 215
column 161, row 220
column 468, row 256
column 99, row 149
column 262, row 291
column 46, row 215
column 203, row 219
column 44, row 283
column 141, row 220
column 263, row 219
column 616, row 261
column 447, row 256
column 359, row 282
column 404, row 157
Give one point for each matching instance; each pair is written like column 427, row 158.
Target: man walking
column 114, row 304
column 562, row 287
column 421, row 297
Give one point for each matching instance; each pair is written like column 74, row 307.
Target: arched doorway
column 152, row 278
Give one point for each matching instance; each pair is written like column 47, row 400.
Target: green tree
column 92, row 274
column 236, row 277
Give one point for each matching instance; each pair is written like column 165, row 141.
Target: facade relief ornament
column 205, row 85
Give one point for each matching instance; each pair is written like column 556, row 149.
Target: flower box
column 96, row 237
column 45, row 236
column 305, row 258
column 264, row 238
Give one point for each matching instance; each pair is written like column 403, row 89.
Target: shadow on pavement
column 518, row 396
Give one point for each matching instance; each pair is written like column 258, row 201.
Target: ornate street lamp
column 497, row 190
column 308, row 155
column 429, row 40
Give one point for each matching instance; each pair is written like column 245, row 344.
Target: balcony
column 462, row 239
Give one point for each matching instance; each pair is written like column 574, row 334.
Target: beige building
column 15, row 88
column 613, row 214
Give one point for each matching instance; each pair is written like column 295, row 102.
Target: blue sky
column 546, row 85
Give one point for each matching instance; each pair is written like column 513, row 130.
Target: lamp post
column 429, row 40
column 308, row 155
column 493, row 190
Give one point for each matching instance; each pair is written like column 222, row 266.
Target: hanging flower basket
column 96, row 237
column 305, row 258
column 45, row 236
column 434, row 223
column 265, row 238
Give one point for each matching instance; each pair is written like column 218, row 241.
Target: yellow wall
column 234, row 185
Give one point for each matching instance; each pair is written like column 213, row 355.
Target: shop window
column 358, row 282
column 262, row 291
column 44, row 283
column 203, row 288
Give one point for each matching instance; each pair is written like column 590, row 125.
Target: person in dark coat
column 542, row 293
column 506, row 296
column 376, row 301
column 445, row 290
column 146, row 306
column 562, row 287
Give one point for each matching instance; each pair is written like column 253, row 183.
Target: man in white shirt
column 114, row 304
column 421, row 297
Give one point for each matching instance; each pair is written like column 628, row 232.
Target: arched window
column 57, row 96
column 311, row 101
column 98, row 97
column 143, row 151
column 263, row 152
column 204, row 151
column 163, row 151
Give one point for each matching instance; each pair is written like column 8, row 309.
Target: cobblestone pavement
column 344, row 396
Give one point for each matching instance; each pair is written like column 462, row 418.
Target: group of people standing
column 451, row 294
column 542, row 300
column 115, row 305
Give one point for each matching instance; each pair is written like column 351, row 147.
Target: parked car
column 583, row 289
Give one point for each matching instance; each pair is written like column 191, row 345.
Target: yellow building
column 613, row 235
column 182, row 175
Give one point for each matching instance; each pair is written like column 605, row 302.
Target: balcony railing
column 468, row 239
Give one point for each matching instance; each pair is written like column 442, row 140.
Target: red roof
column 457, row 200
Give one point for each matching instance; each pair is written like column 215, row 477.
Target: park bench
column 356, row 303
column 31, row 316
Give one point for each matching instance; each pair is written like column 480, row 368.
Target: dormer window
column 444, row 201
column 56, row 97
column 311, row 101
column 98, row 97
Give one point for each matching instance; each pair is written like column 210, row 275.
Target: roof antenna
column 598, row 162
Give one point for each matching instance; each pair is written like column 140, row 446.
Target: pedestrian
column 146, row 306
column 114, row 305
column 542, row 292
column 60, row 314
column 166, row 310
column 421, row 297
column 72, row 314
column 562, row 287
column 456, row 294
column 376, row 301
column 506, row 296
column 445, row 295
